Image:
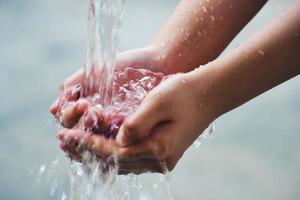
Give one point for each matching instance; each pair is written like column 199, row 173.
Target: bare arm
column 199, row 30
column 174, row 113
column 266, row 60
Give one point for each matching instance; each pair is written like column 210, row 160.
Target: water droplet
column 211, row 129
column 173, row 38
column 261, row 52
column 195, row 12
column 211, row 7
column 63, row 196
column 180, row 54
column 158, row 58
column 197, row 143
column 212, row 18
column 163, row 45
column 197, row 19
column 183, row 81
column 42, row 169
column 204, row 9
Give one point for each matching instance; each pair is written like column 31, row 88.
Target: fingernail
column 81, row 107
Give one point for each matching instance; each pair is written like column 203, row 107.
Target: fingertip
column 60, row 136
column 82, row 106
column 54, row 107
column 63, row 147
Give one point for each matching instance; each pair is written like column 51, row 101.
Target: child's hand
column 167, row 122
column 148, row 57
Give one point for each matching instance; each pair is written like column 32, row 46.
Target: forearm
column 199, row 30
column 266, row 60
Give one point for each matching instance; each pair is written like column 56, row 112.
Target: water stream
column 116, row 94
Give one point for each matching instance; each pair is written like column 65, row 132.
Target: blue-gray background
column 255, row 153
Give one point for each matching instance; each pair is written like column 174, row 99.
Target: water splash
column 94, row 178
column 207, row 134
column 87, row 181
column 261, row 52
column 104, row 20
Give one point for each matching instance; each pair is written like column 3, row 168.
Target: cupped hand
column 73, row 107
column 167, row 122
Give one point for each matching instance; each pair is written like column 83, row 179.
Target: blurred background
column 255, row 151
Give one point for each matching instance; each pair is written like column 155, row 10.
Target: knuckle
column 130, row 128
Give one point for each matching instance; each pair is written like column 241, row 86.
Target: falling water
column 92, row 178
column 104, row 20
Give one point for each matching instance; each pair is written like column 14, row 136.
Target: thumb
column 139, row 125
column 135, row 58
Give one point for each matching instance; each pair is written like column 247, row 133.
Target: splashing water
column 207, row 133
column 116, row 94
column 104, row 20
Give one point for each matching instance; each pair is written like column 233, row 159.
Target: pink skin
column 74, row 107
column 164, row 125
column 107, row 120
column 174, row 113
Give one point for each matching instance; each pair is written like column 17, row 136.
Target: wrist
column 169, row 59
column 206, row 89
column 159, row 58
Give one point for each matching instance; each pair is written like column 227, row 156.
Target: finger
column 69, row 150
column 139, row 125
column 138, row 151
column 73, row 79
column 158, row 146
column 69, row 144
column 131, row 58
column 139, row 167
column 105, row 148
column 72, row 113
column 54, row 107
column 93, row 117
column 97, row 144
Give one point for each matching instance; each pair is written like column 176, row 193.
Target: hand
column 167, row 122
column 148, row 57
